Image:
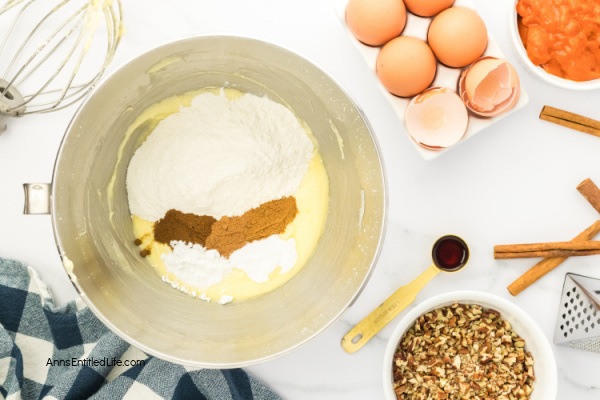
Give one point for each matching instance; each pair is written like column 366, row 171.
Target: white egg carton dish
column 445, row 77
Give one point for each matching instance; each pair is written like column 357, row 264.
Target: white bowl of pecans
column 469, row 344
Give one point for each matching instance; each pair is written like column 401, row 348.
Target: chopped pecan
column 462, row 351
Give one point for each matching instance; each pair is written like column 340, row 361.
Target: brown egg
column 457, row 36
column 427, row 8
column 375, row 22
column 406, row 66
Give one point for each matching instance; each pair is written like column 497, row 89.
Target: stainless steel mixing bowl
column 92, row 222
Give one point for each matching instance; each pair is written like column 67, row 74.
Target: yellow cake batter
column 312, row 200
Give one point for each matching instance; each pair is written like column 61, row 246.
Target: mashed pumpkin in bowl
column 562, row 36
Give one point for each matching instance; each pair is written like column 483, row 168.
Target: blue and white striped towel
column 41, row 347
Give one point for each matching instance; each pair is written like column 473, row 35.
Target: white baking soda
column 199, row 267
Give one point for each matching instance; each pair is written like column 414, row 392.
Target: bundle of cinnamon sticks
column 554, row 253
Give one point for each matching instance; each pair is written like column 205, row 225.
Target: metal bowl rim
column 106, row 321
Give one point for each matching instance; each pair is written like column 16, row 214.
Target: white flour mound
column 218, row 157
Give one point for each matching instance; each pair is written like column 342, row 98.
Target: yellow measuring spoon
column 450, row 254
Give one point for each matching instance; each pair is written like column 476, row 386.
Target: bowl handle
column 37, row 198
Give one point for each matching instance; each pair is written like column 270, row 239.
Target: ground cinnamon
column 231, row 233
column 189, row 228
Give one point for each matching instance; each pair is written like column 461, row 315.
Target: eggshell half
column 437, row 118
column 489, row 87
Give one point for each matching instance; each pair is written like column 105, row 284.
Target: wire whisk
column 52, row 52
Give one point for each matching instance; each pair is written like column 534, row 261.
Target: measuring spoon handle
column 362, row 332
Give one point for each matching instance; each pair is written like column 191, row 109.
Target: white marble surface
column 515, row 182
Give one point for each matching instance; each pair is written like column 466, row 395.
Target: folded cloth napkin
column 66, row 353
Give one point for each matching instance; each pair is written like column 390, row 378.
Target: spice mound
column 462, row 351
column 562, row 36
column 228, row 233
column 222, row 194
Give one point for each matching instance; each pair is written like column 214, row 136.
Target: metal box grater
column 578, row 323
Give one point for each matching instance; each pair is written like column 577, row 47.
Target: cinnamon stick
column 548, row 264
column 591, row 192
column 548, row 249
column 570, row 120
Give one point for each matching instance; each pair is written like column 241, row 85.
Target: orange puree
column 562, row 36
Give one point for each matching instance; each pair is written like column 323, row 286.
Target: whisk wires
column 53, row 51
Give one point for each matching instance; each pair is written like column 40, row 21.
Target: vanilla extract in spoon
column 449, row 253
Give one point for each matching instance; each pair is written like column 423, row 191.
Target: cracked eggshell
column 437, row 118
column 489, row 87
